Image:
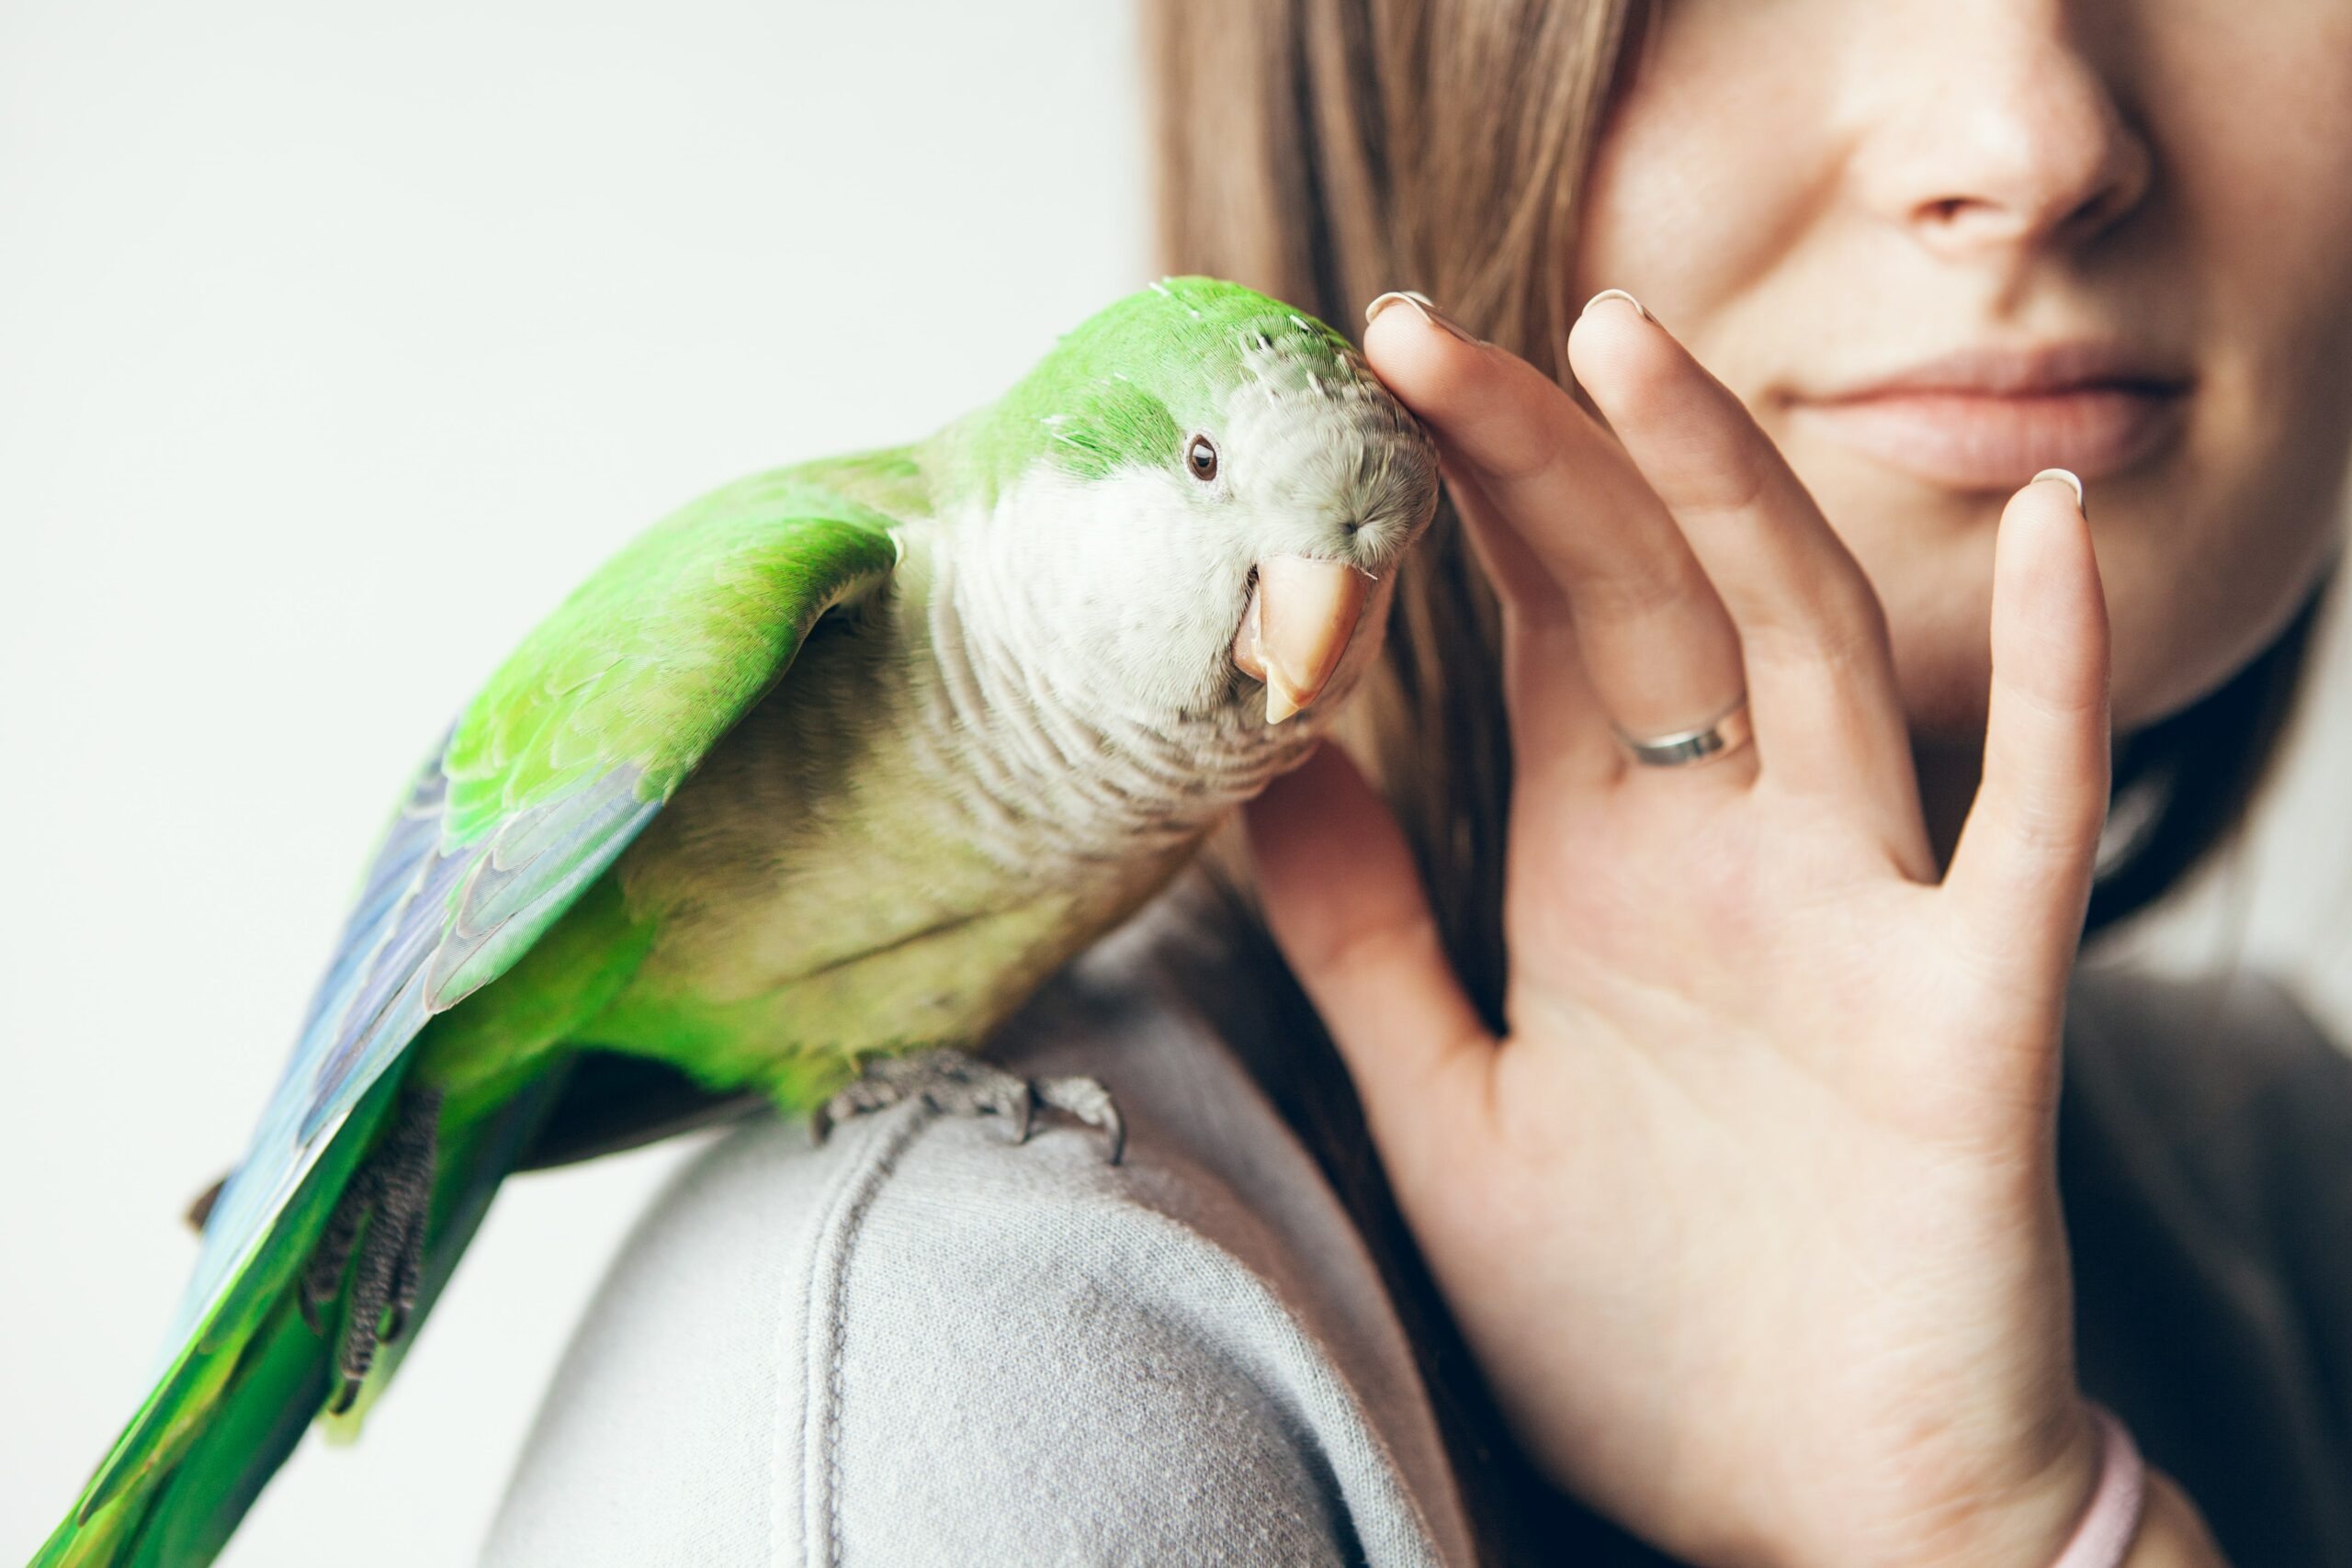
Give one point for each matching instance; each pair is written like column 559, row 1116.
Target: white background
column 334, row 348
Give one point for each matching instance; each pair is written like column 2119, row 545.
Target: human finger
column 1821, row 675
column 1344, row 901
column 2021, row 874
column 1657, row 646
column 1562, row 738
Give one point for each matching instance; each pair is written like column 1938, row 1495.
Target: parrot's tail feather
column 234, row 1363
column 237, row 1399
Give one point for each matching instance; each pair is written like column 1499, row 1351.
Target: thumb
column 1345, row 903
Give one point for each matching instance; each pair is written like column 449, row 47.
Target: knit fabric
column 923, row 1343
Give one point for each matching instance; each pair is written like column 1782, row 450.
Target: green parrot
column 798, row 796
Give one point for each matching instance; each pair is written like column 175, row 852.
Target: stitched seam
column 827, row 1302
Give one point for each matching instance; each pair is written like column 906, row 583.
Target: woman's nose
column 1998, row 135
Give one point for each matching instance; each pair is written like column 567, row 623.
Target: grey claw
column 956, row 1084
column 1087, row 1100
column 370, row 1258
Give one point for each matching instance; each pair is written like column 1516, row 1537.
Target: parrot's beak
column 1302, row 612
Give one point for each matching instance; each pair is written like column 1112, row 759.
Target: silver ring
column 1727, row 732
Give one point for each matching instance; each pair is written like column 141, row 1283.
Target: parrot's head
column 1200, row 499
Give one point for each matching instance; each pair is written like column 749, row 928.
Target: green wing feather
column 550, row 773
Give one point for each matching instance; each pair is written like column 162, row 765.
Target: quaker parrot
column 824, row 773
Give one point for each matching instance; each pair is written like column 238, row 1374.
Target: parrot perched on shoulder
column 822, row 775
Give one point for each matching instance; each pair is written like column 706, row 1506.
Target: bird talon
column 955, row 1083
column 1087, row 1100
column 381, row 1221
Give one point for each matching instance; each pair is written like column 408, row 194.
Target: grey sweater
column 920, row 1344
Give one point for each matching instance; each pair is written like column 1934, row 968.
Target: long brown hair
column 1324, row 150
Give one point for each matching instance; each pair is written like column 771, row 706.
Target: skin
column 1751, row 1215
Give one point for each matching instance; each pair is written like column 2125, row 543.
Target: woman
column 1701, row 960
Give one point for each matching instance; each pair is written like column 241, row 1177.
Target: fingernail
column 1618, row 294
column 2068, row 478
column 1426, row 306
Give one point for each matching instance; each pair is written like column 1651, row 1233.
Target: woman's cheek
column 2253, row 127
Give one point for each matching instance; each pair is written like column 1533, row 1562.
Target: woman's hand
column 1751, row 1217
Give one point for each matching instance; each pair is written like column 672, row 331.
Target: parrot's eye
column 1200, row 456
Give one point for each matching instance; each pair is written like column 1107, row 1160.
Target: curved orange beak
column 1302, row 611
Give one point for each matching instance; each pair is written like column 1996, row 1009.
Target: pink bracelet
column 2104, row 1537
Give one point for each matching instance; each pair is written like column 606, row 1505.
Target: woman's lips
column 1984, row 420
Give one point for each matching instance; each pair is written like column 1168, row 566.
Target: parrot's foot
column 956, row 1083
column 381, row 1214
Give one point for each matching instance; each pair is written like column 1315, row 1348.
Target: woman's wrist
column 2163, row 1530
column 2028, row 1516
